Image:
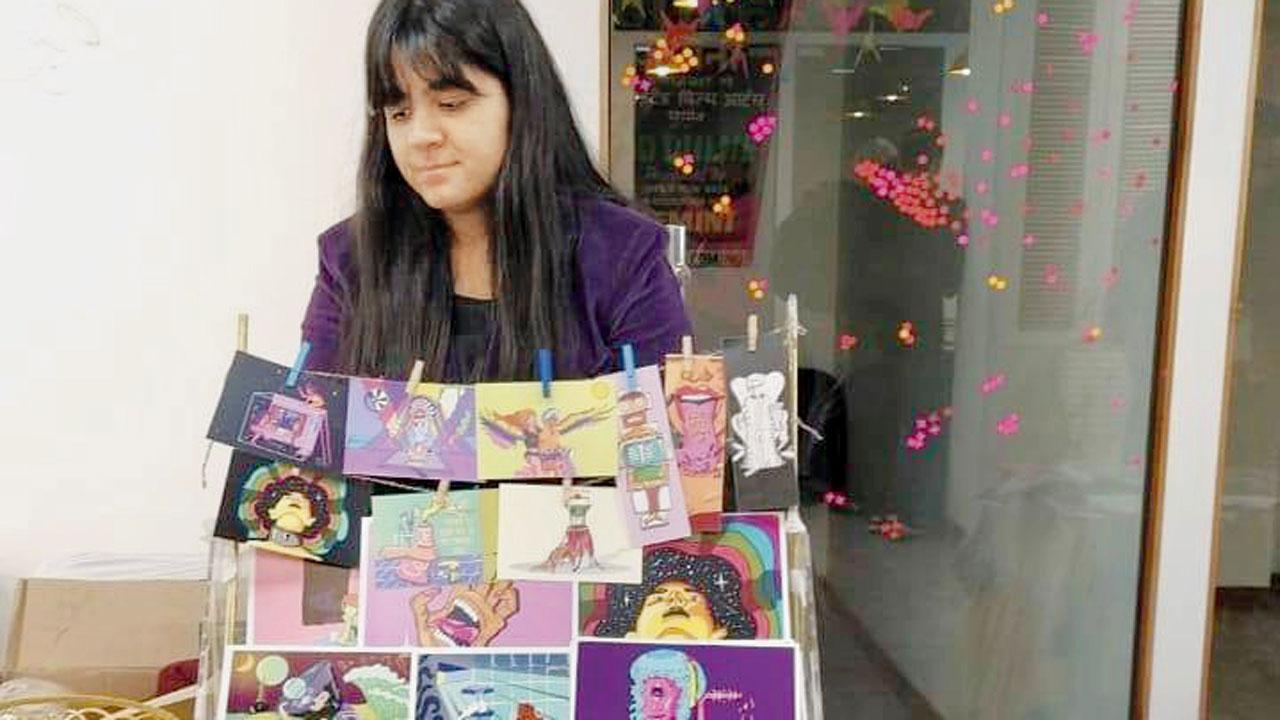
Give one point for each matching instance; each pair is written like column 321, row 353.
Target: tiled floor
column 1244, row 676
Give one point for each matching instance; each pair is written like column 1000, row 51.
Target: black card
column 304, row 424
column 759, row 434
column 283, row 508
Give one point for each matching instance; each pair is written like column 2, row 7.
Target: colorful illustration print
column 726, row 586
column 343, row 685
column 524, row 435
column 499, row 614
column 563, row 533
column 519, row 686
column 695, row 392
column 285, row 509
column 430, row 433
column 294, row 602
column 652, row 497
column 429, row 539
column 643, row 681
column 304, row 424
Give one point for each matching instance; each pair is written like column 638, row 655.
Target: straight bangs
column 412, row 41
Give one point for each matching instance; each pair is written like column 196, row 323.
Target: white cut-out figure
column 761, row 432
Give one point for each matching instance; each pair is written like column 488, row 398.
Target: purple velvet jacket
column 625, row 293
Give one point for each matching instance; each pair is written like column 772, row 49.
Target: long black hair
column 400, row 307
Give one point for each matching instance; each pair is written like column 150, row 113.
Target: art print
column 695, row 393
column 427, row 433
column 283, row 508
column 563, row 534
column 259, row 412
column 503, row 613
column 294, row 602
column 523, row 434
column 495, row 685
column 648, row 681
column 724, row 586
column 341, row 685
column 760, row 443
column 652, row 498
column 422, row 539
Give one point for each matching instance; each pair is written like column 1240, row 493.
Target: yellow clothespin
column 242, row 332
column 753, row 332
column 442, row 493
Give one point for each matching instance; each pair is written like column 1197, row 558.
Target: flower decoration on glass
column 925, row 428
column 761, row 127
column 907, row 334
column 848, row 341
column 634, row 79
column 666, row 58
column 837, row 500
column 723, row 206
column 997, row 282
column 756, row 288
column 1002, row 6
column 735, row 34
column 917, row 193
column 1092, row 334
column 888, row 527
column 1009, row 425
column 683, row 163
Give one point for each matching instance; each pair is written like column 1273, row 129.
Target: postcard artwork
column 344, row 685
column 294, row 602
column 283, row 508
column 563, row 534
column 424, row 538
column 515, row 685
column 428, row 433
column 522, row 434
column 760, row 446
column 651, row 495
column 303, row 424
column 695, row 392
column 647, row 681
column 722, row 586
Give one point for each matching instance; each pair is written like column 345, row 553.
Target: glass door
column 968, row 199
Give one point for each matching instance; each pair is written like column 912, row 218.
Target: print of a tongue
column 461, row 629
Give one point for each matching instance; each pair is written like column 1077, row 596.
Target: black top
column 471, row 330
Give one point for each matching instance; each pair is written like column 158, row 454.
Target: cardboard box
column 103, row 637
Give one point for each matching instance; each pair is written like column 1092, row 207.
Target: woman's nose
column 426, row 130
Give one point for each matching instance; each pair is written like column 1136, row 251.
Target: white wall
column 164, row 166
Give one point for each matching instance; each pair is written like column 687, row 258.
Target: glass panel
column 1246, row 657
column 968, row 199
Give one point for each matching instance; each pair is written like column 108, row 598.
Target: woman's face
column 449, row 143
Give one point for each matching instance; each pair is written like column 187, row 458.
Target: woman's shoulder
column 612, row 231
column 335, row 242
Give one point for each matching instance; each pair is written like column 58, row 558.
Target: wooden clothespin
column 686, row 352
column 299, row 364
column 442, row 493
column 545, row 372
column 242, row 332
column 629, row 367
column 415, row 377
column 753, row 332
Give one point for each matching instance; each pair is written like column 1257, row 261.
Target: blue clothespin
column 629, row 366
column 299, row 364
column 545, row 371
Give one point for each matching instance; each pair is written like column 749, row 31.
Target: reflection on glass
column 1246, row 625
column 968, row 199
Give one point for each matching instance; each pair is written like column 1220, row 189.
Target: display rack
column 225, row 619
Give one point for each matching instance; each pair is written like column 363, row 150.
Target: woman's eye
column 397, row 114
column 453, row 103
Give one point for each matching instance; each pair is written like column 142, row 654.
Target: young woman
column 483, row 231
